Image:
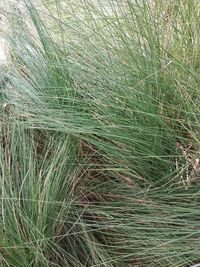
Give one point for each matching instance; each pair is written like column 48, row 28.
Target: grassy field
column 99, row 136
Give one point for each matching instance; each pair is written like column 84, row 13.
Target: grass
column 100, row 135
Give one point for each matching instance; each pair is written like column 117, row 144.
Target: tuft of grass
column 99, row 135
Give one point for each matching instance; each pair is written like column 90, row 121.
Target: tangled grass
column 99, row 135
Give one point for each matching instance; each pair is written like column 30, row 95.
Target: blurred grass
column 100, row 135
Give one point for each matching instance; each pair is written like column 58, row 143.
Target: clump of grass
column 99, row 137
